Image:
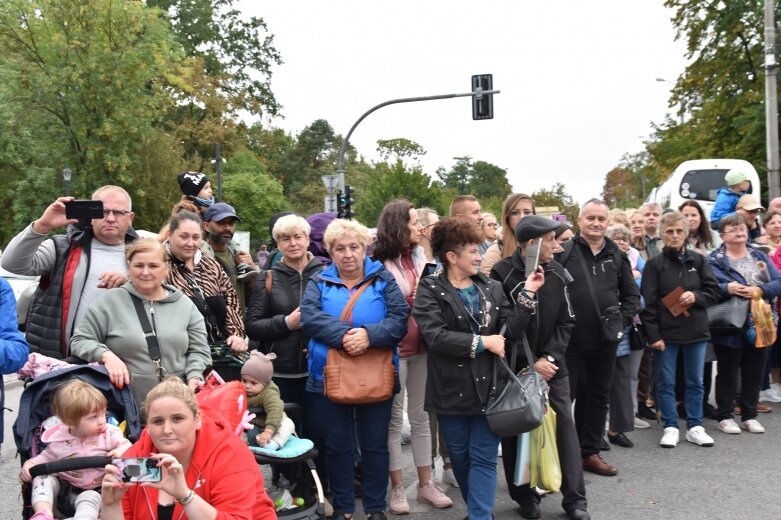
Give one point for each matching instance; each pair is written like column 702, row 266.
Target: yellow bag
column 544, row 456
column 763, row 323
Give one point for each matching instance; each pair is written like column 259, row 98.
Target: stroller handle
column 72, row 464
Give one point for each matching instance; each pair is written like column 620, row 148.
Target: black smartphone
column 84, row 209
column 429, row 269
column 138, row 469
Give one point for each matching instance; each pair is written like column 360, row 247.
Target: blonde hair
column 288, row 225
column 144, row 245
column 619, row 216
column 424, row 216
column 75, row 399
column 341, row 228
column 172, row 386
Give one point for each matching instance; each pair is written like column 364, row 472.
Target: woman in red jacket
column 207, row 471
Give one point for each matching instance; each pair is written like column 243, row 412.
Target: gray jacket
column 111, row 324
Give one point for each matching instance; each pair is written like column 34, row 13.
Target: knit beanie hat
column 259, row 366
column 191, row 183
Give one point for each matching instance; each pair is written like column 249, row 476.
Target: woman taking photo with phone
column 207, row 471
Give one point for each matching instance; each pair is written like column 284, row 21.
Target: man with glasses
column 75, row 268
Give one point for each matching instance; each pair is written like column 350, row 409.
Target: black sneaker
column 644, row 412
column 376, row 516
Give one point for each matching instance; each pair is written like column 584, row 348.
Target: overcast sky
column 578, row 79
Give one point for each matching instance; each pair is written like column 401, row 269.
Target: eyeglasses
column 620, row 239
column 118, row 213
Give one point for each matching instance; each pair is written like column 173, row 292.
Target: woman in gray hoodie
column 110, row 332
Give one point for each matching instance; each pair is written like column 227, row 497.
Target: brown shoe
column 595, row 464
column 764, row 408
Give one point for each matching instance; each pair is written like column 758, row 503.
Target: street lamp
column 680, row 109
column 66, row 176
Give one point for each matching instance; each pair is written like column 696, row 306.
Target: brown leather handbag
column 364, row 379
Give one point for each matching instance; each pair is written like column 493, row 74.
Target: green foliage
column 557, row 195
column 627, row 185
column 481, row 179
column 256, row 196
column 395, row 181
column 722, row 89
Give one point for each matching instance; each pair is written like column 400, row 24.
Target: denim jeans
column 339, row 426
column 693, row 362
column 473, row 449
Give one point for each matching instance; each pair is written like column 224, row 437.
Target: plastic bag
column 762, row 314
column 521, row 475
column 544, row 456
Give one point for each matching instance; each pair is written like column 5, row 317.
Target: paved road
column 736, row 479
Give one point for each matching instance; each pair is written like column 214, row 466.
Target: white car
column 24, row 287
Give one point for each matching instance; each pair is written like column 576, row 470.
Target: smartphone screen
column 138, row 469
column 84, row 209
column 533, row 257
column 429, row 269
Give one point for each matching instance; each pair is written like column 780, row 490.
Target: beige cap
column 749, row 203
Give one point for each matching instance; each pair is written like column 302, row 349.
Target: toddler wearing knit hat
column 271, row 426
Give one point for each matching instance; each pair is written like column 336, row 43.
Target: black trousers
column 750, row 361
column 573, row 489
column 590, row 381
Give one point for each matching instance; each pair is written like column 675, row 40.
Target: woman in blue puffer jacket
column 378, row 320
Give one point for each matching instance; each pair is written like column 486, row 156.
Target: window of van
column 703, row 184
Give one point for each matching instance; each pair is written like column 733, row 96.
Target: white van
column 700, row 180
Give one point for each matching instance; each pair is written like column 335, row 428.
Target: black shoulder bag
column 610, row 320
column 150, row 335
column 520, row 406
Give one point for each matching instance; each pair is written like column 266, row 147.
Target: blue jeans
column 473, row 450
column 373, row 421
column 693, row 362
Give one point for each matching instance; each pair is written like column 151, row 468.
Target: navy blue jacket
column 381, row 310
column 725, row 274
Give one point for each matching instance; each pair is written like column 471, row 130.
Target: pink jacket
column 61, row 444
column 411, row 344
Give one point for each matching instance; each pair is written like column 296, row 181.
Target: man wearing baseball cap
column 548, row 337
column 219, row 225
column 749, row 208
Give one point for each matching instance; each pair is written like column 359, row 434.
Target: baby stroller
column 34, row 409
column 306, row 490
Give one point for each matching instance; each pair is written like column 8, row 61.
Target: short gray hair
column 673, row 217
column 342, row 228
column 288, row 225
column 110, row 187
column 618, row 230
column 595, row 201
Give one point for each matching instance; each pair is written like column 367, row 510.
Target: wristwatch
column 550, row 359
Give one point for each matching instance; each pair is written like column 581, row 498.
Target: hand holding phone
column 84, row 209
column 138, row 469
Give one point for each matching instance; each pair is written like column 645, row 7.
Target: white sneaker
column 669, row 438
column 769, row 396
column 698, row 436
column 729, row 426
column 448, row 477
column 753, row 426
column 641, row 424
column 776, row 387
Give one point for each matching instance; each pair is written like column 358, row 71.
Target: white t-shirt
column 103, row 259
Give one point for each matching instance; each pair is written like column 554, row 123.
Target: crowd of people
column 616, row 318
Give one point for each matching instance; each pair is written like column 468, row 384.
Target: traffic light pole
column 346, row 142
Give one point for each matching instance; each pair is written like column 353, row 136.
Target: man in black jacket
column 548, row 333
column 602, row 279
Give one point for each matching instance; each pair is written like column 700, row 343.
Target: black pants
column 573, row 489
column 750, row 361
column 590, row 381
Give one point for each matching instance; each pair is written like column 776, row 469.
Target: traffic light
column 348, row 202
column 482, row 104
column 339, row 204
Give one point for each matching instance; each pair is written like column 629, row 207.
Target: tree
column 256, row 196
column 84, row 84
column 481, row 179
column 556, row 195
column 628, row 183
column 721, row 88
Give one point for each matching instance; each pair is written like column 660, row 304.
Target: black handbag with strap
column 610, row 319
column 519, row 406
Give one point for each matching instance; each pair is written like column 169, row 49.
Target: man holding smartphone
column 548, row 334
column 75, row 268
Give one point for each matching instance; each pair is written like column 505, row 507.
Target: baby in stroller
column 83, row 431
column 271, row 427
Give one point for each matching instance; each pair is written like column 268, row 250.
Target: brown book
column 671, row 302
